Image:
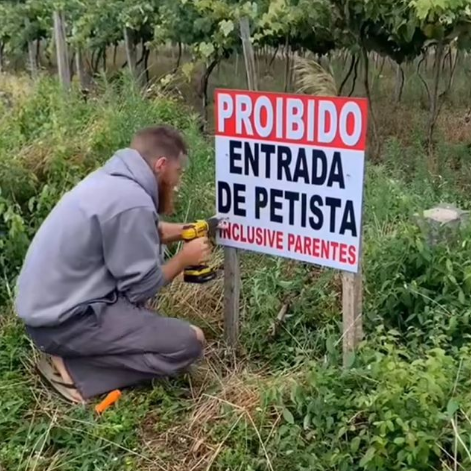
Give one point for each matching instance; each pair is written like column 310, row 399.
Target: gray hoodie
column 100, row 241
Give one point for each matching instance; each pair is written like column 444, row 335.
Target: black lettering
column 239, row 199
column 276, row 205
column 292, row 197
column 336, row 172
column 233, row 156
column 261, row 200
column 315, row 202
column 348, row 220
column 269, row 150
column 319, row 167
column 334, row 203
column 224, row 198
column 284, row 161
column 303, row 209
column 251, row 159
column 301, row 170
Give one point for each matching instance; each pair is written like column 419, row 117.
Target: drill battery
column 203, row 228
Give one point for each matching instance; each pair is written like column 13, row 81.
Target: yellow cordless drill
column 206, row 228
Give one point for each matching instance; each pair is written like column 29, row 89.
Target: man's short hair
column 159, row 141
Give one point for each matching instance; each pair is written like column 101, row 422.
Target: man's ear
column 160, row 164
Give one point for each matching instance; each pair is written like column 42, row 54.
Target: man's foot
column 62, row 370
column 52, row 370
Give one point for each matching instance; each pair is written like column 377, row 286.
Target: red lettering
column 225, row 233
column 307, row 245
column 335, row 246
column 251, row 234
column 324, row 249
column 352, row 255
column 242, row 236
column 259, row 237
column 271, row 238
column 343, row 253
column 315, row 251
column 299, row 246
column 279, row 240
column 291, row 240
column 235, row 236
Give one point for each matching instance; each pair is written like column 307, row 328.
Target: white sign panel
column 289, row 175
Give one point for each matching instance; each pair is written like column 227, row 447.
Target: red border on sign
column 350, row 119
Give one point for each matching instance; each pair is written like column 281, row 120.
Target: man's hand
column 196, row 252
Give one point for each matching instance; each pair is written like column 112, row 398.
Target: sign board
column 290, row 174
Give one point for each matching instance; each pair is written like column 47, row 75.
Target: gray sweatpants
column 119, row 345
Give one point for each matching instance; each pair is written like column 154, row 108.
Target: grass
column 283, row 402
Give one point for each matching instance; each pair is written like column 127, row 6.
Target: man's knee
column 194, row 347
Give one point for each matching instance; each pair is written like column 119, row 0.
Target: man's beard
column 166, row 198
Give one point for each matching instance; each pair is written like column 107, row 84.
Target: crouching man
column 94, row 263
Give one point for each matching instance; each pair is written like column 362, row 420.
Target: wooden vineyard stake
column 32, row 63
column 249, row 56
column 61, row 49
column 130, row 51
column 352, row 305
column 81, row 73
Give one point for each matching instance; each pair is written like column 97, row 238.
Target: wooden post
column 81, row 73
column 249, row 55
column 232, row 284
column 61, row 49
column 232, row 281
column 131, row 54
column 32, row 66
column 352, row 305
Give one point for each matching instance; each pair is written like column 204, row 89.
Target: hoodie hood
column 128, row 163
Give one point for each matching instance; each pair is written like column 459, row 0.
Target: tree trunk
column 92, row 61
column 130, row 46
column 347, row 76
column 96, row 64
column 274, row 56
column 104, row 59
column 204, row 86
column 2, row 57
column 146, row 62
column 287, row 66
column 115, row 52
column 143, row 54
column 434, row 97
column 71, row 65
column 355, row 76
column 366, row 80
column 179, row 58
column 61, row 49
column 399, row 83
